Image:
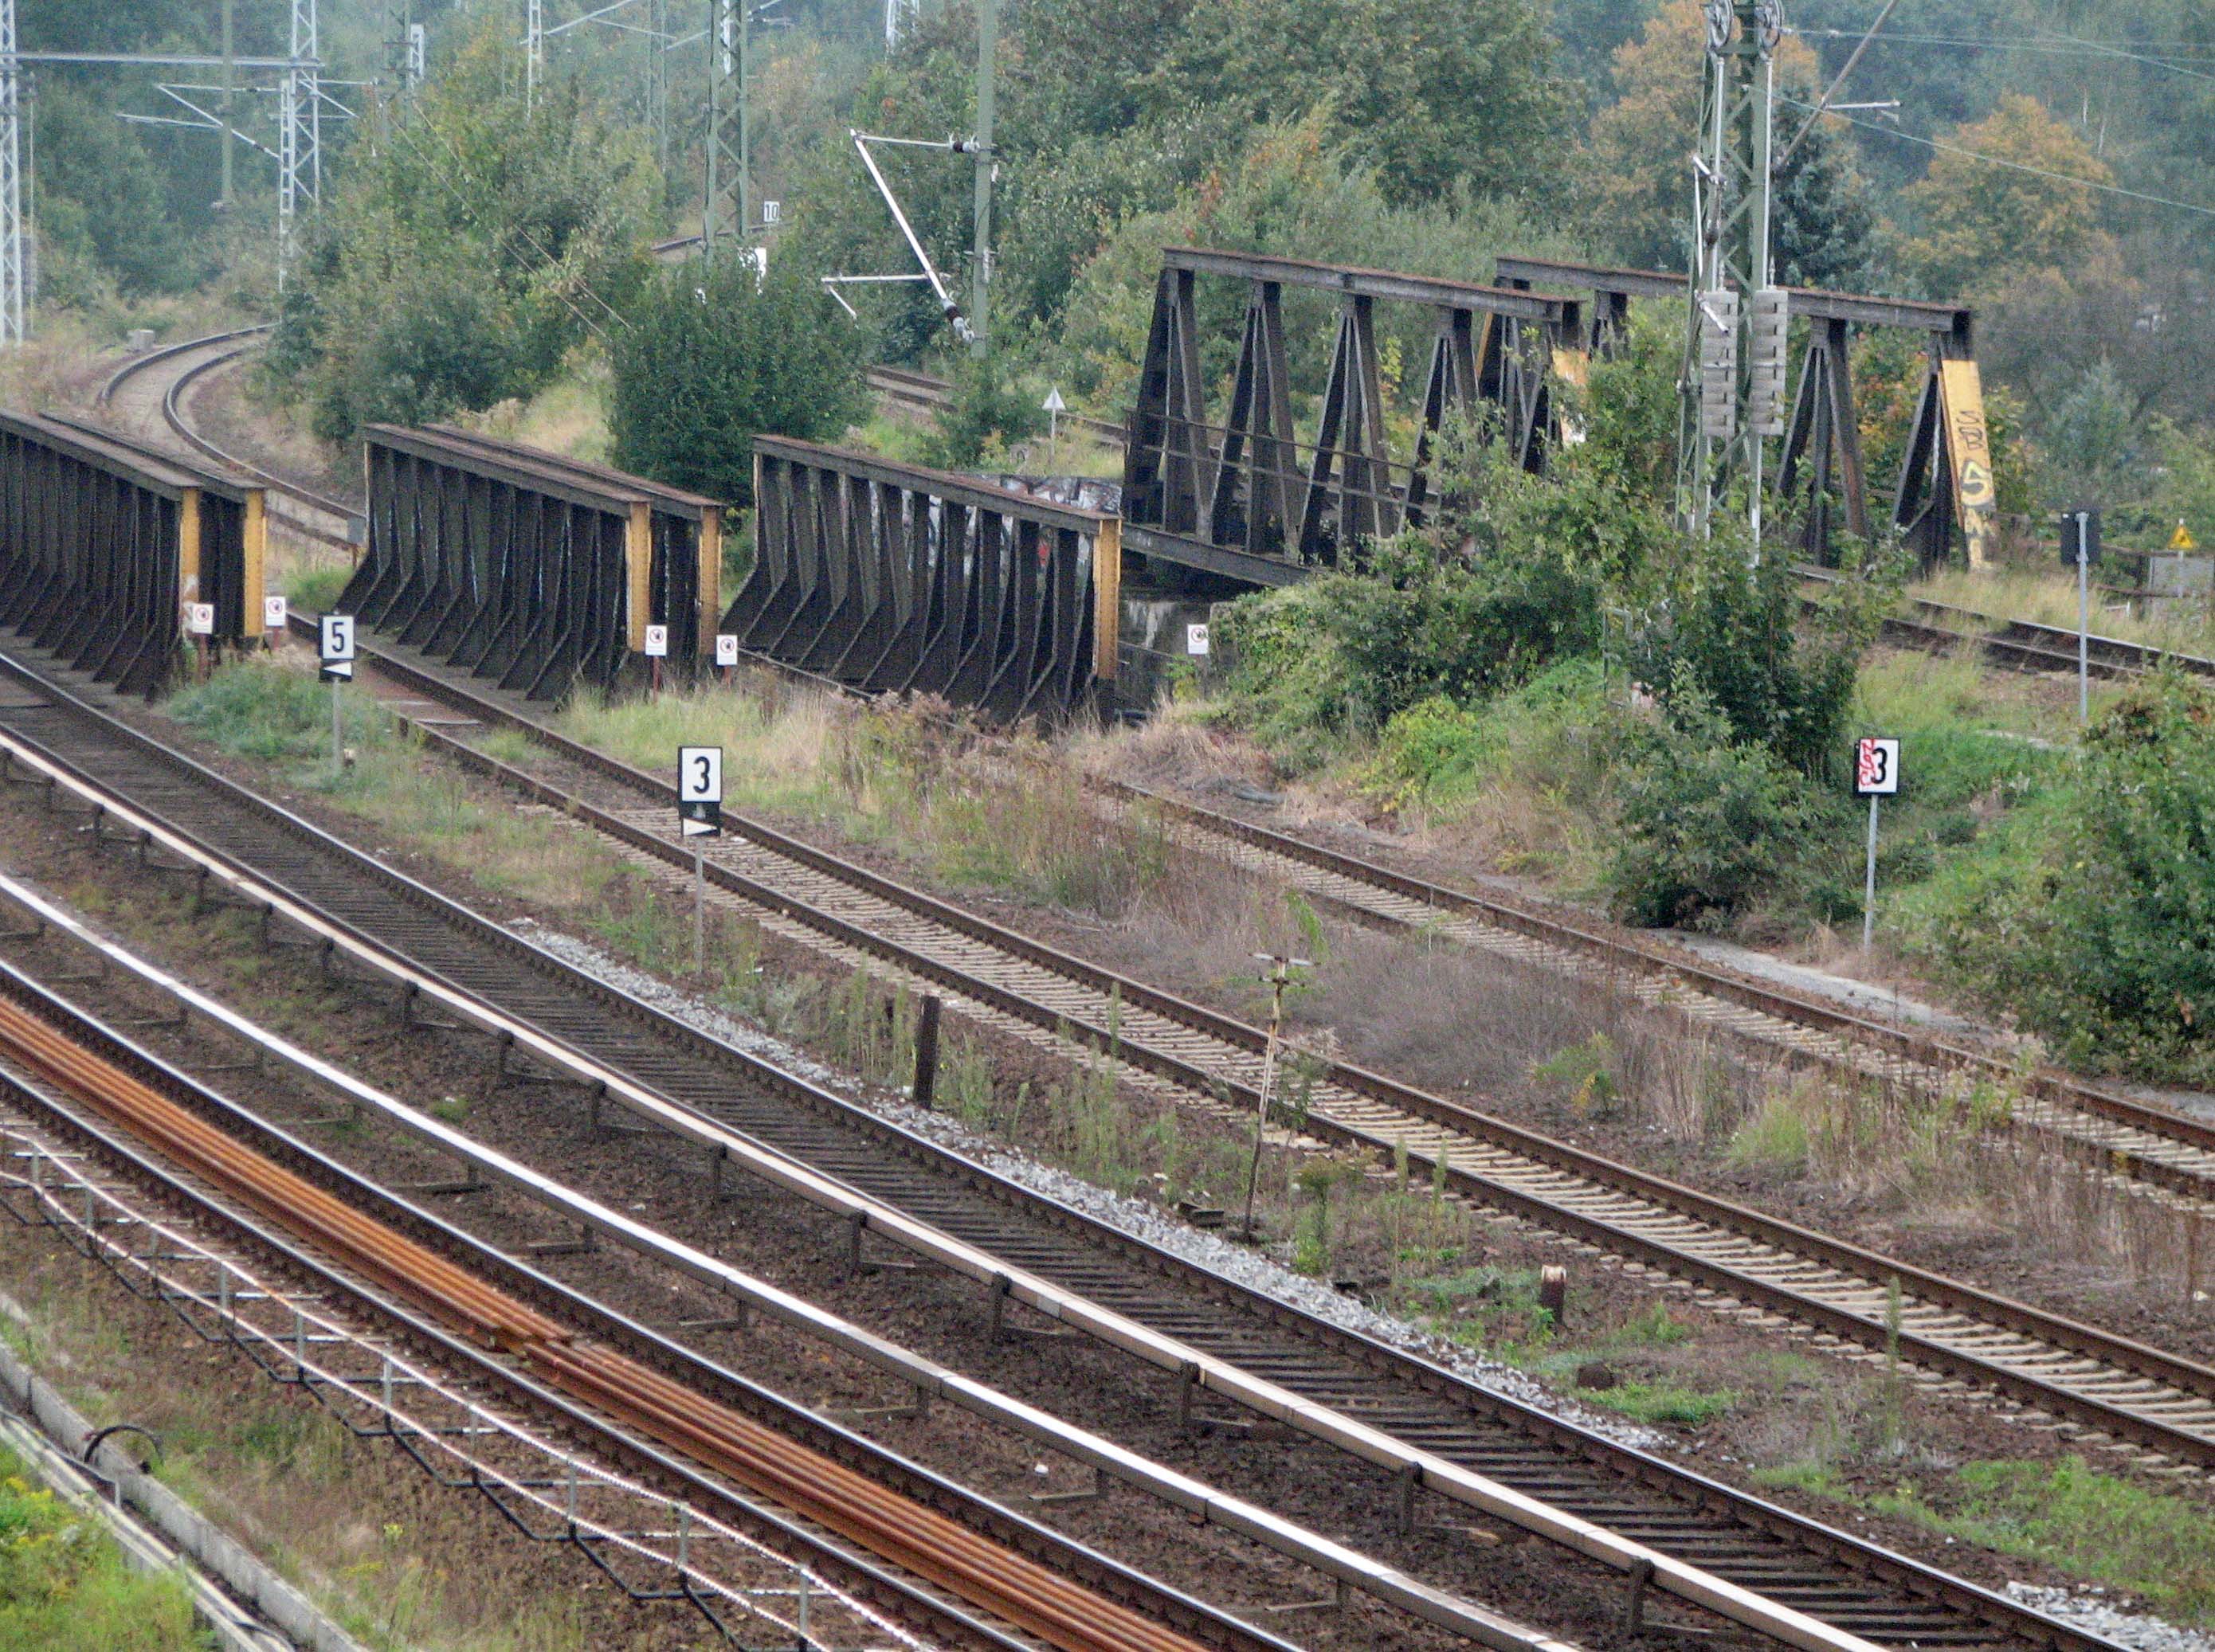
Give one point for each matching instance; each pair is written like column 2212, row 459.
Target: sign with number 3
column 1876, row 768
column 700, row 791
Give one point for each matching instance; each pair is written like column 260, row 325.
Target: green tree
column 510, row 234
column 712, row 358
column 1435, row 94
column 101, row 204
column 1983, row 225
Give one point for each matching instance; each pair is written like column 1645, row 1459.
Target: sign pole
column 334, row 647
column 1868, row 887
column 2080, row 543
column 1876, row 774
column 700, row 816
column 2083, row 629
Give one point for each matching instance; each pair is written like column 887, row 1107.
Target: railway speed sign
column 700, row 791
column 1876, row 768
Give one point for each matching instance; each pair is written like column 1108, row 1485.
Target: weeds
column 2096, row 1526
column 64, row 1585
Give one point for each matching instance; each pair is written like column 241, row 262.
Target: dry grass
column 569, row 416
column 2021, row 591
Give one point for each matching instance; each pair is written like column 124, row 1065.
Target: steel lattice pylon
column 300, row 147
column 1725, row 409
column 534, row 49
column 727, row 211
column 14, row 260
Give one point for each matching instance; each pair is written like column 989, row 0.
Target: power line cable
column 2013, row 166
column 2065, row 46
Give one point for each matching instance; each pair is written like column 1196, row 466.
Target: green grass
column 63, row 1586
column 261, row 711
column 314, row 590
column 2096, row 1526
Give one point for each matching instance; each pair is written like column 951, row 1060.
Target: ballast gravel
column 2088, row 1609
column 1133, row 1216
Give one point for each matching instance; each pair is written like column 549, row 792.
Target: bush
column 987, row 414
column 712, row 358
column 1420, row 623
column 1287, row 677
column 461, row 260
column 2102, row 936
column 1710, row 822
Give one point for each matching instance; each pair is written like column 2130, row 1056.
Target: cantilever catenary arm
column 952, row 310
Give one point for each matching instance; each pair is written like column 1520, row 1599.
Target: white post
column 1868, row 887
column 338, row 751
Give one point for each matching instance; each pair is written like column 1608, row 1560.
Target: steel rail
column 1554, row 1184
column 2025, row 645
column 1748, row 1523
column 2149, row 1143
column 173, row 415
column 925, row 390
column 2168, row 1149
column 66, row 1046
column 1194, row 1499
column 166, row 352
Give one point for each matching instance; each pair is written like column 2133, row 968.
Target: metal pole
column 338, row 751
column 699, row 910
column 534, row 49
column 988, row 36
column 224, row 142
column 2084, row 623
column 744, row 11
column 1868, row 887
column 15, row 249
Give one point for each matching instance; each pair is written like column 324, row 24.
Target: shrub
column 714, row 358
column 2103, row 936
column 987, row 412
column 1710, row 822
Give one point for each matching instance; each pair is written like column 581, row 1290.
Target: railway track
column 487, row 1170
column 927, row 393
column 2107, row 1388
column 957, row 1584
column 2129, row 1138
column 1441, row 1434
column 2019, row 645
column 314, row 515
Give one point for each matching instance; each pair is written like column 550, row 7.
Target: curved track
column 155, row 385
column 1336, row 1384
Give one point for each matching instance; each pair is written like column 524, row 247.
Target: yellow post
column 1107, row 598
column 711, row 581
column 638, row 558
column 188, row 550
column 1969, row 452
column 255, row 546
